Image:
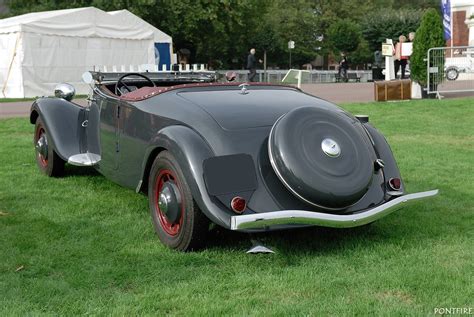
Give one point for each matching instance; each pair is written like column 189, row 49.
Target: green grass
column 87, row 246
column 5, row 100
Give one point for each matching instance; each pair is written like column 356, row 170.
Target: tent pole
column 11, row 64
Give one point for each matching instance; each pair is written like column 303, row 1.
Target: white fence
column 150, row 68
column 272, row 76
column 315, row 76
column 450, row 70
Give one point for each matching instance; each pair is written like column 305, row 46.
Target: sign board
column 387, row 49
column 407, row 49
column 296, row 76
column 291, row 44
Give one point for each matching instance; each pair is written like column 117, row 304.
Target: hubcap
column 168, row 202
column 41, row 147
column 451, row 74
column 330, row 147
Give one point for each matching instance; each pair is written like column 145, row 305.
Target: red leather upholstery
column 143, row 93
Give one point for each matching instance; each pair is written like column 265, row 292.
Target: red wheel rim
column 170, row 228
column 41, row 159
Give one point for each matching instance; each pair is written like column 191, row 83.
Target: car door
column 109, row 131
column 133, row 136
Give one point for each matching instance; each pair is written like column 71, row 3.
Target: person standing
column 400, row 60
column 343, row 68
column 252, row 65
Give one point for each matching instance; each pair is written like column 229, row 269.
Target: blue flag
column 446, row 10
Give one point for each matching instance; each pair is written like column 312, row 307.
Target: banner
column 446, row 11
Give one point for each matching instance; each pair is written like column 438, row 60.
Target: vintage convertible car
column 247, row 157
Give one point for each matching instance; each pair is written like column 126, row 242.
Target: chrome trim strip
column 266, row 220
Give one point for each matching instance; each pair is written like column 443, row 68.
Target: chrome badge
column 330, row 148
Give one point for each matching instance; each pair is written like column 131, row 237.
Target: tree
column 344, row 36
column 212, row 30
column 389, row 24
column 296, row 22
column 224, row 30
column 363, row 54
column 429, row 34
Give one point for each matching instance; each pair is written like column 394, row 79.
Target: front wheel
column 47, row 160
column 178, row 222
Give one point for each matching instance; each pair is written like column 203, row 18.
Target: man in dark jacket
column 343, row 67
column 252, row 65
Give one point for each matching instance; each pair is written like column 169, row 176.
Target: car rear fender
column 190, row 149
column 62, row 120
column 385, row 153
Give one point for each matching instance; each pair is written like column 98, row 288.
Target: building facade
column 462, row 23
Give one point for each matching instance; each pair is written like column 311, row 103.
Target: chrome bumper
column 266, row 220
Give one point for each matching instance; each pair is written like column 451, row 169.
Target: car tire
column 452, row 73
column 185, row 229
column 47, row 159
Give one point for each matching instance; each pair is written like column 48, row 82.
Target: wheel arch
column 147, row 168
column 190, row 150
column 34, row 116
column 61, row 120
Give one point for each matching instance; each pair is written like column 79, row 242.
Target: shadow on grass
column 72, row 170
column 296, row 241
column 309, row 240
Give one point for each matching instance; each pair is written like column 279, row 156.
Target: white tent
column 163, row 42
column 39, row 50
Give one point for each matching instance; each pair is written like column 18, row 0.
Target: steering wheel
column 120, row 82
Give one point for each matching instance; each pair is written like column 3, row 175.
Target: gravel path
column 334, row 92
column 22, row 108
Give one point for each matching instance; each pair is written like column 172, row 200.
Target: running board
column 84, row 159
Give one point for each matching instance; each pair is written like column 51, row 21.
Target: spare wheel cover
column 323, row 157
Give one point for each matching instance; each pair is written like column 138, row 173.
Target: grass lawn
column 83, row 245
column 6, row 100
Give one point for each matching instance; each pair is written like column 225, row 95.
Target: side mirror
column 64, row 91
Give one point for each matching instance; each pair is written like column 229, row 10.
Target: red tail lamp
column 395, row 183
column 238, row 204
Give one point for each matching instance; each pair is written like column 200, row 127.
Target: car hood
column 234, row 110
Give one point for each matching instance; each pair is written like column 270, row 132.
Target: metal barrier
column 314, row 76
column 450, row 70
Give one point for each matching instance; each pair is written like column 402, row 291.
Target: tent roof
column 81, row 22
column 129, row 18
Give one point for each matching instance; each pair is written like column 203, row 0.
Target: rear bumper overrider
column 267, row 220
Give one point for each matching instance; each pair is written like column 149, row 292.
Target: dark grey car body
column 219, row 135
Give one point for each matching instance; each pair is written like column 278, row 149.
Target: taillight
column 238, row 204
column 395, row 183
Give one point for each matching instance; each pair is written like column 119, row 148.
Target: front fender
column 190, row 149
column 61, row 119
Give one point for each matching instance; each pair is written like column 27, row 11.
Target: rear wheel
column 452, row 73
column 47, row 160
column 177, row 219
